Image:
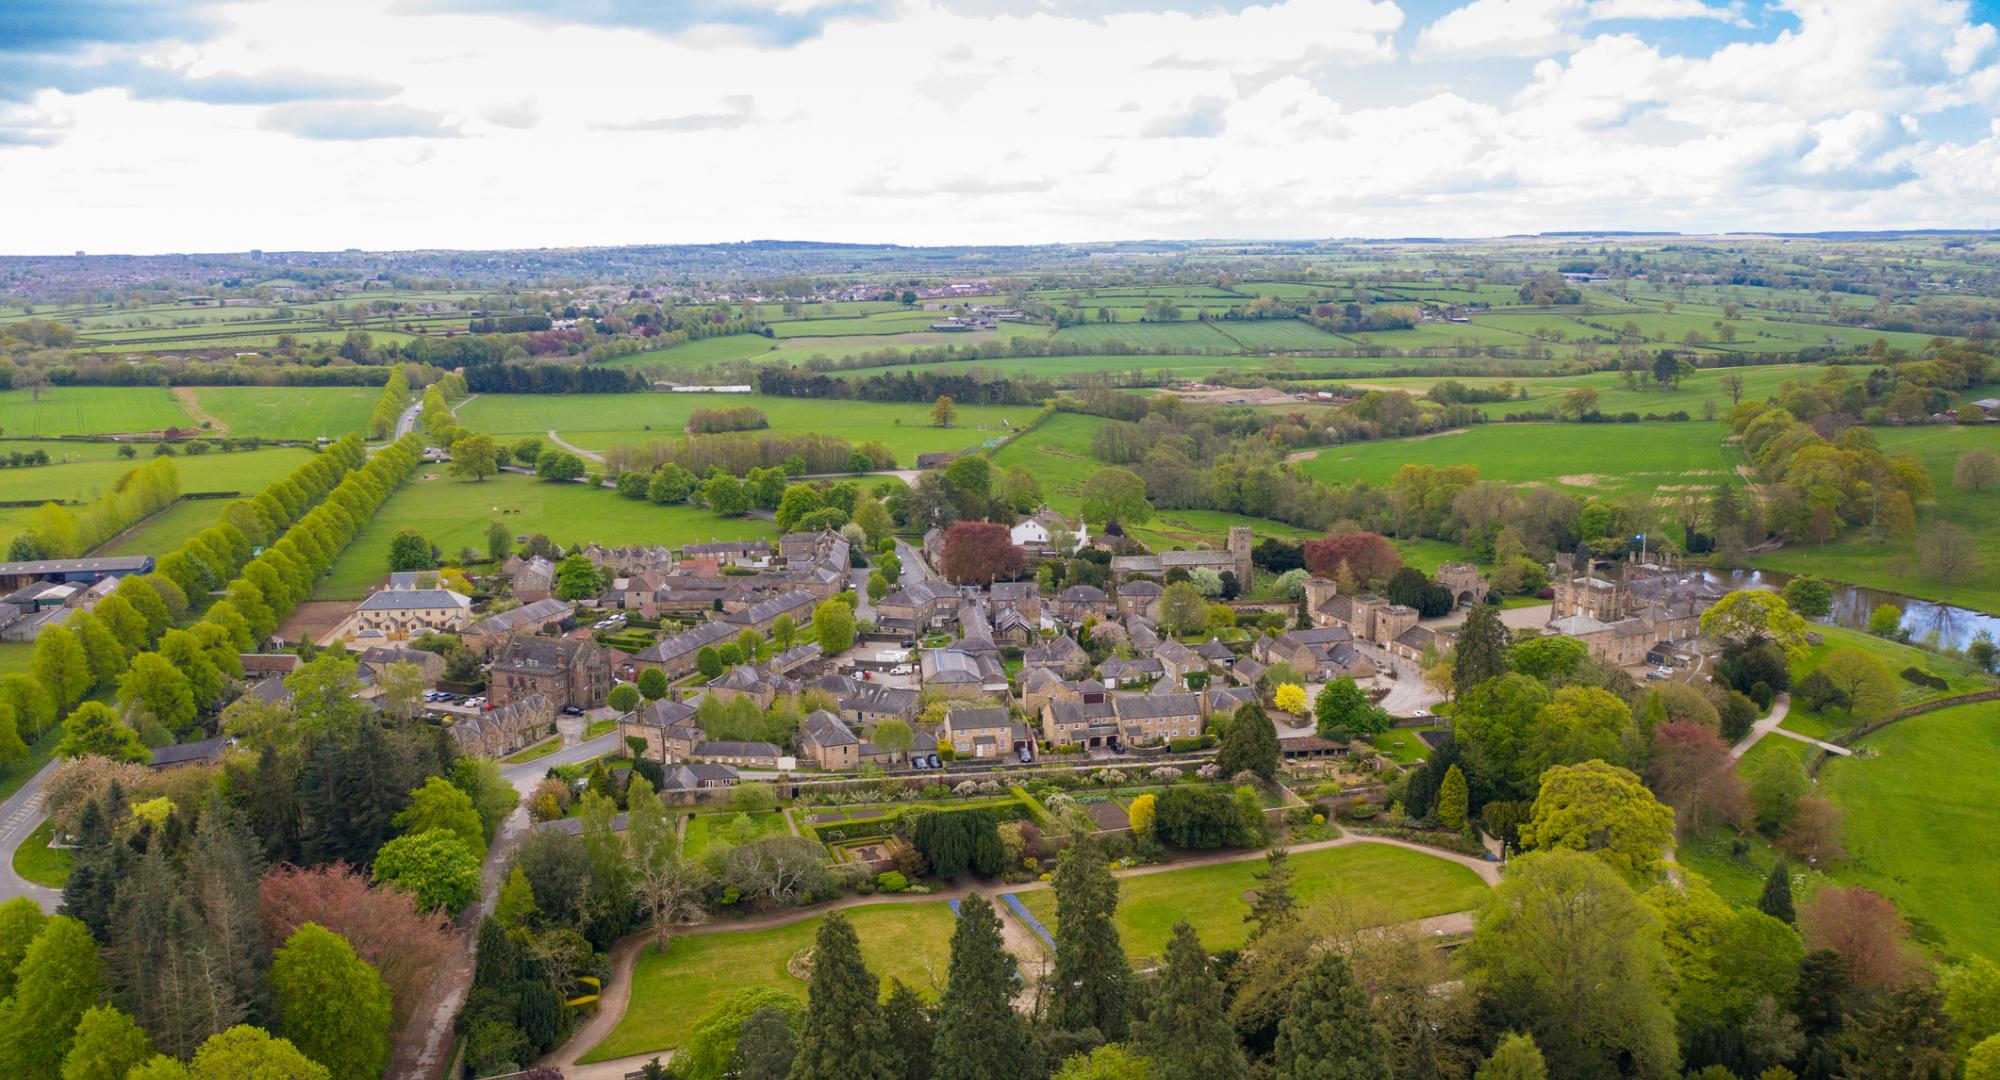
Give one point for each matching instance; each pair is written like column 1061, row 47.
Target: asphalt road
column 18, row 817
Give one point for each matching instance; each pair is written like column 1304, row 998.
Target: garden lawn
column 1402, row 744
column 1893, row 566
column 454, row 514
column 1410, row 884
column 90, row 410
column 674, row 988
column 290, row 412
column 602, row 421
column 37, row 862
column 1920, row 823
column 706, row 829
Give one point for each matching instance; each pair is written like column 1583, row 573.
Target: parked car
column 934, row 762
column 1026, row 756
column 571, row 710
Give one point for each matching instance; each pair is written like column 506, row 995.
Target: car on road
column 1421, row 714
column 571, row 710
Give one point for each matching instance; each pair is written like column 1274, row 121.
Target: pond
column 1954, row 626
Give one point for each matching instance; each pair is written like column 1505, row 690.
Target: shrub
column 891, row 881
column 1924, row 678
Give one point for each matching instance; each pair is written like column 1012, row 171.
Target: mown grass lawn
column 454, row 514
column 674, row 988
column 1408, row 884
column 704, row 830
column 41, row 864
column 1403, row 744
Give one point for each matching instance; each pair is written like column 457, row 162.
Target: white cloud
column 928, row 124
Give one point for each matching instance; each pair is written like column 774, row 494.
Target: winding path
column 1769, row 726
column 587, row 455
column 617, row 997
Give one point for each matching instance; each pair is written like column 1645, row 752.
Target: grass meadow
column 90, row 410
column 1582, row 459
column 601, row 421
column 454, row 514
column 245, row 471
column 1407, row 884
column 289, row 412
column 675, row 987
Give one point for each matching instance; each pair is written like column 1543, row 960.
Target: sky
column 145, row 126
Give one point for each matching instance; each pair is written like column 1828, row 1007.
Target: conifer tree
column 911, row 1032
column 1251, row 744
column 1481, row 651
column 979, row 1035
column 1331, row 1033
column 1092, row 981
column 1776, row 899
column 1275, row 909
column 842, row 1036
column 1186, row 1032
column 1451, row 799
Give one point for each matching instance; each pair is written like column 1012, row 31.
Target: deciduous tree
column 1602, row 809
column 331, row 1004
column 980, row 552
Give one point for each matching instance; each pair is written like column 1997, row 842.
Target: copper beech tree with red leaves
column 1866, row 930
column 1370, row 557
column 981, row 552
column 383, row 924
column 1691, row 771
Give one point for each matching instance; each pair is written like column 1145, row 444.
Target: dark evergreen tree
column 1776, row 899
column 842, row 1036
column 1275, row 909
column 1186, row 1032
column 765, row 1046
column 1091, row 986
column 1251, row 744
column 979, row 1035
column 101, row 864
column 911, row 1031
column 349, row 796
column 273, row 805
column 1331, row 1033
column 223, row 868
column 1481, row 651
column 1905, row 1035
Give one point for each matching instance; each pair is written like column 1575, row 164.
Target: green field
column 1893, row 565
column 245, row 471
column 290, row 412
column 1152, row 335
column 1960, row 677
column 674, row 988
column 602, row 421
column 1546, row 394
column 453, row 514
column 898, row 321
column 699, row 353
column 93, row 410
column 704, row 830
column 1408, row 884
column 1671, row 460
column 1058, row 453
column 1919, row 823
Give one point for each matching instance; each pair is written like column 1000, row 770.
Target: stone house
column 567, row 671
column 506, row 728
column 674, row 656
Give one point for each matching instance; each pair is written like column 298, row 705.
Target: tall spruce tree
column 1092, row 981
column 1186, row 1032
column 842, row 1037
column 1251, row 744
column 1275, row 909
column 1776, row 899
column 223, row 869
column 979, row 1035
column 911, row 1032
column 1481, row 651
column 1331, row 1033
